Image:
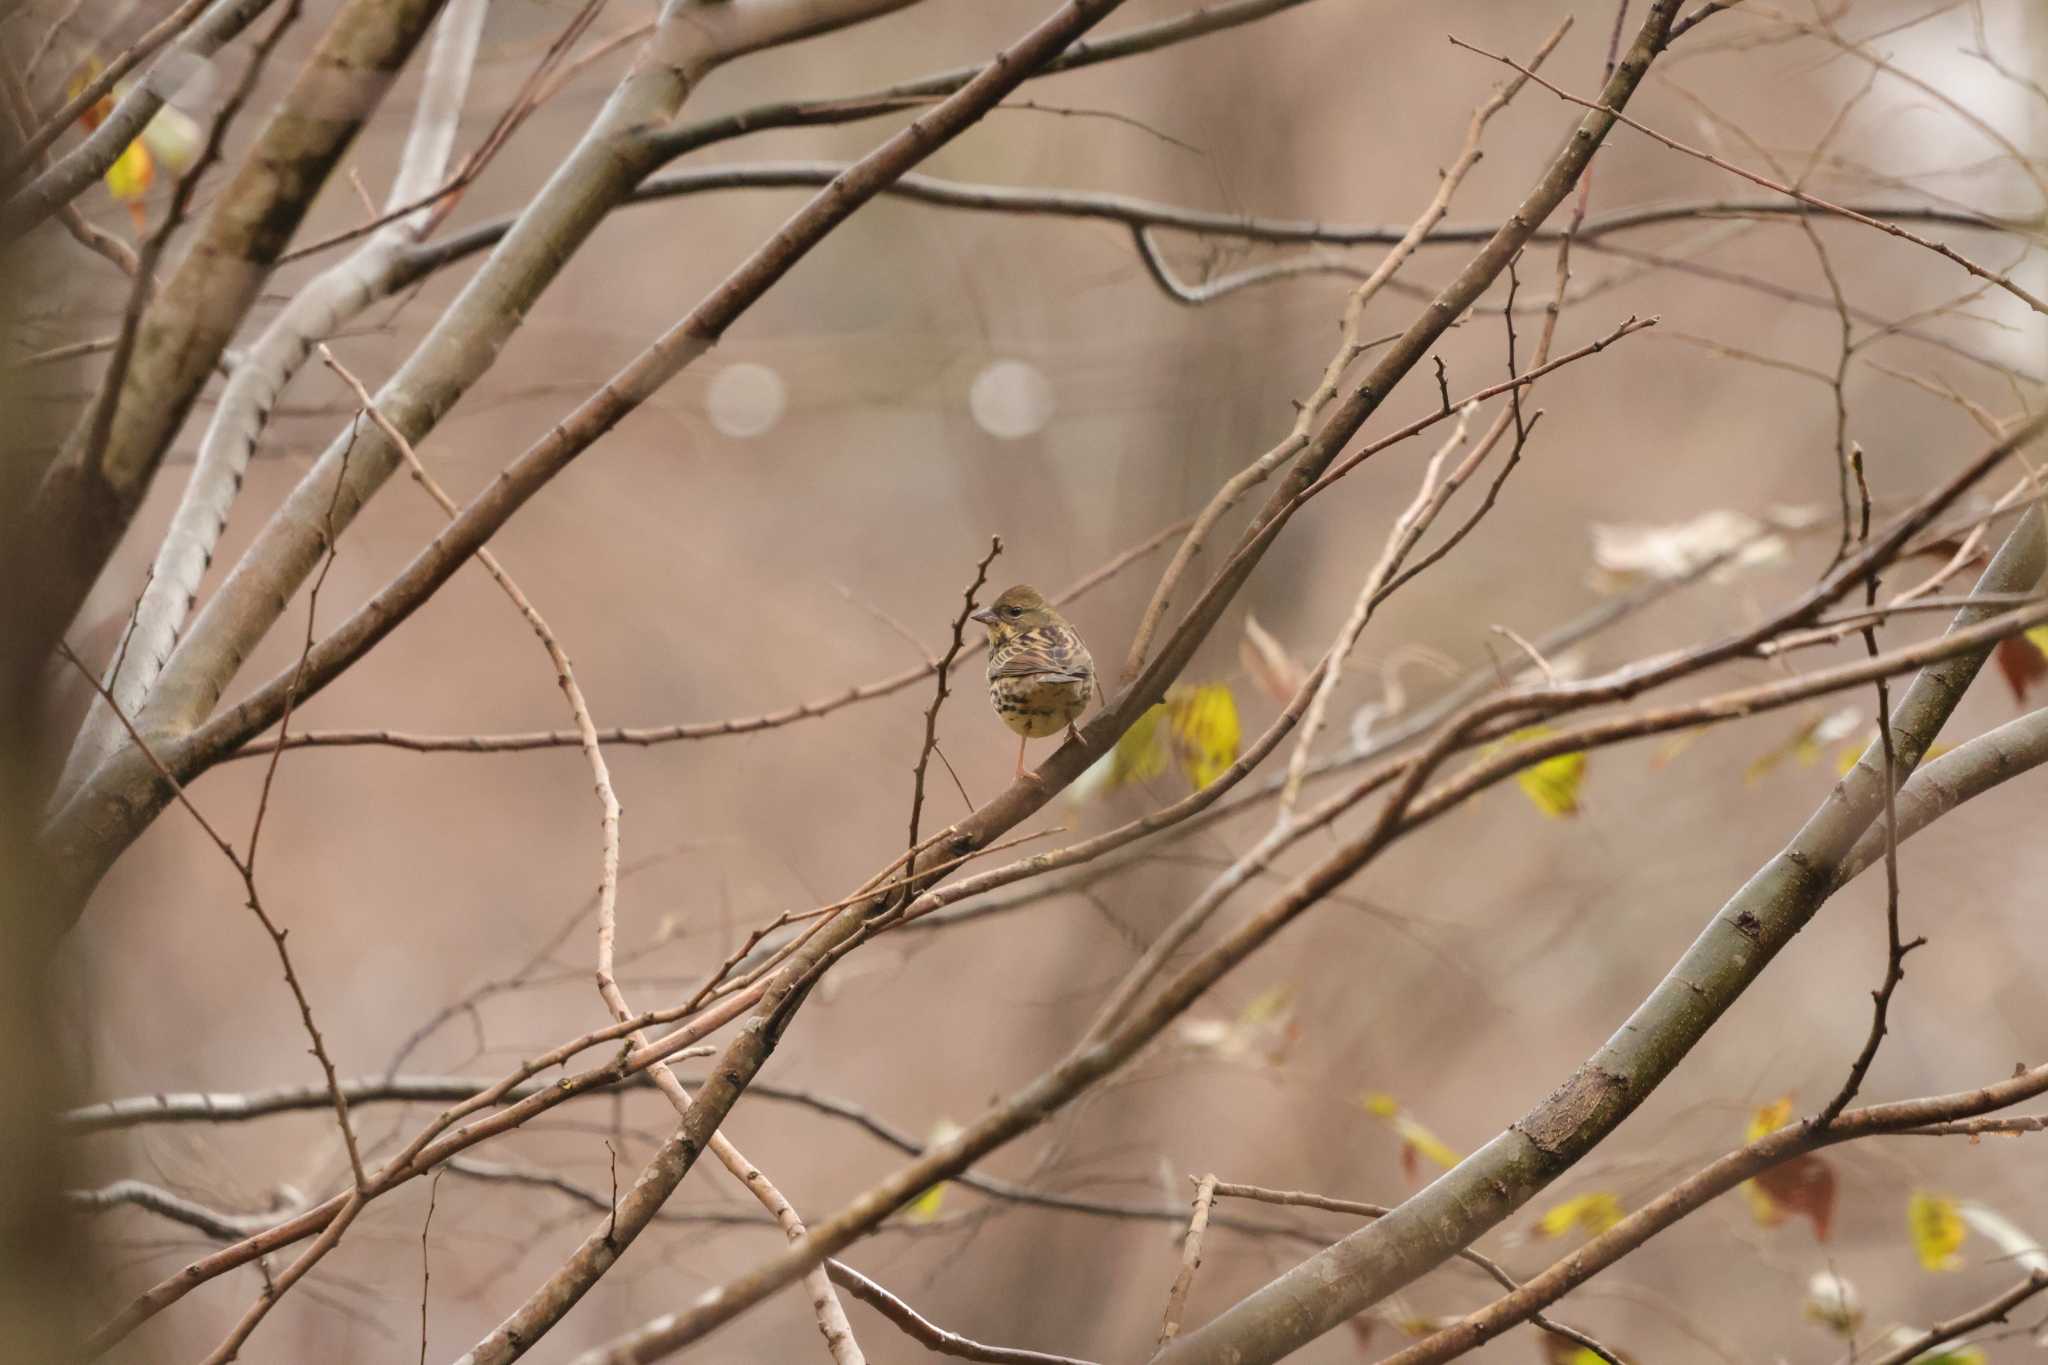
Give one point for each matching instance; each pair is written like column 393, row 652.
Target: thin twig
column 831, row 1318
column 942, row 669
column 1895, row 948
column 1352, row 346
column 928, row 1333
column 433, row 1189
column 1994, row 278
column 1190, row 1261
column 1994, row 1311
column 668, row 734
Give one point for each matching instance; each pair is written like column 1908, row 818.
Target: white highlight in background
column 746, row 399
column 1011, row 399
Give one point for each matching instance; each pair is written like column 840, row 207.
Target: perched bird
column 1039, row 674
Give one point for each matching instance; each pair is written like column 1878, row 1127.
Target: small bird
column 1039, row 674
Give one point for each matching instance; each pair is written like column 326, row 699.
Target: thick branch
column 1737, row 944
column 318, row 310
column 1714, row 1180
column 88, row 498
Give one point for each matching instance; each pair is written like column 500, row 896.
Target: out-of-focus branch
column 1090, row 1063
column 1144, row 215
column 1915, row 1347
column 512, row 1339
column 77, row 169
column 1997, row 279
column 671, row 143
column 89, row 496
column 1732, row 952
column 220, row 1107
column 92, row 91
column 1353, row 345
column 1714, row 1180
column 692, row 39
column 710, row 729
column 259, row 376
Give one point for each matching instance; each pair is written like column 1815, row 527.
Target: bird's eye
column 1013, row 611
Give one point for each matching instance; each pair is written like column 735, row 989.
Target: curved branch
column 928, row 1333
column 1716, row 1179
column 1994, row 1311
column 1145, row 215
column 1942, row 784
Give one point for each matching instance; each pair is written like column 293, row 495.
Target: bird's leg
column 1020, row 756
column 1073, row 733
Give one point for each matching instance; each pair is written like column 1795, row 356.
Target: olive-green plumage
column 1039, row 674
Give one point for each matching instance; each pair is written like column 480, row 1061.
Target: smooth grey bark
column 124, row 793
column 1731, row 952
column 90, row 494
column 259, row 377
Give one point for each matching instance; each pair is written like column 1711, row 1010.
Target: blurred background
column 928, row 378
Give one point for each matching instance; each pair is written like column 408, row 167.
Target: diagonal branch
column 1716, row 1179
column 259, row 377
column 109, row 462
column 1737, row 944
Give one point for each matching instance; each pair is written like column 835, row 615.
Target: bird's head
column 1019, row 609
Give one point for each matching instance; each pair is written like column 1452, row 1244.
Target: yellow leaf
column 1205, row 730
column 1267, row 1006
column 1766, row 1214
column 1769, row 1119
column 1937, row 1229
column 925, row 1208
column 1765, row 1120
column 1846, row 759
column 1416, row 1140
column 1676, row 745
column 1263, row 1032
column 1591, row 1213
column 2038, row 638
column 1552, row 785
column 128, row 179
column 1139, row 755
column 1801, row 746
column 88, row 71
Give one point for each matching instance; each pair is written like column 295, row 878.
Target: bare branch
column 1190, row 1260
column 928, row 1333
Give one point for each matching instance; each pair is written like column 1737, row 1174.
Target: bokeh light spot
column 746, row 399
column 1011, row 399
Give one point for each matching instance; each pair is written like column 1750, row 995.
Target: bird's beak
column 987, row 616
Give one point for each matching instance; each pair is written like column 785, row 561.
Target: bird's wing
column 1052, row 654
